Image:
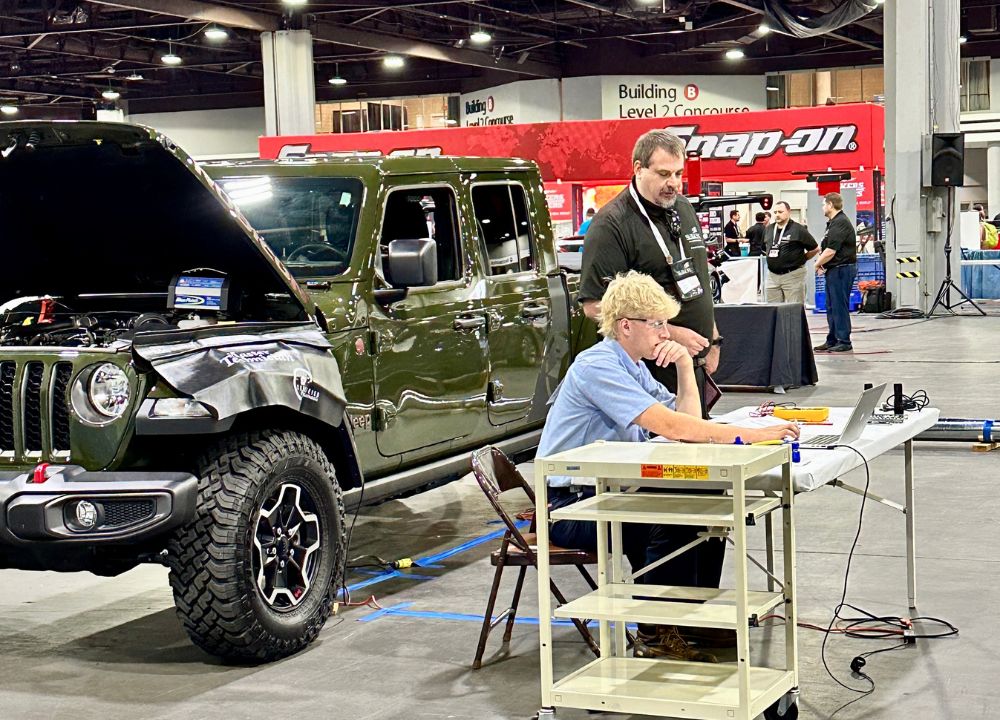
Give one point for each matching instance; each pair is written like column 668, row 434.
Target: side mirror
column 413, row 263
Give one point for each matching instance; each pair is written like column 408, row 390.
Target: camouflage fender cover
column 233, row 373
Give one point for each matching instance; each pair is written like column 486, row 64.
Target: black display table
column 766, row 346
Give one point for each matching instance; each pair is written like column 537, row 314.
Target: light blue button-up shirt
column 603, row 392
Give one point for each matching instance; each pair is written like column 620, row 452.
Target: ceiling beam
column 325, row 31
column 90, row 27
column 201, row 11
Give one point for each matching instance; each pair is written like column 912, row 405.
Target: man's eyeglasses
column 655, row 324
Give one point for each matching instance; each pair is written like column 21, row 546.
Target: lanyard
column 781, row 236
column 656, row 230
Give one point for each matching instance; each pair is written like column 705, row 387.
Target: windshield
column 309, row 223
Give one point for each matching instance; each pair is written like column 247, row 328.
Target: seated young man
column 609, row 394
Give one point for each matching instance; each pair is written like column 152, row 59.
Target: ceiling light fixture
column 294, row 3
column 170, row 58
column 216, row 33
column 393, row 62
column 962, row 39
column 111, row 94
column 8, row 109
column 134, row 77
column 735, row 54
column 763, row 29
column 336, row 79
column 480, row 36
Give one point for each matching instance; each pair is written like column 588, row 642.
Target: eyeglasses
column 655, row 324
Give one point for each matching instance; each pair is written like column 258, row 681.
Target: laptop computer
column 855, row 425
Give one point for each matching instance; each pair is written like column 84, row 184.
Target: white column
column 289, row 86
column 993, row 179
column 922, row 78
column 906, row 91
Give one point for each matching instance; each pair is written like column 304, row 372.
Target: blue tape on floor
column 401, row 610
column 431, row 559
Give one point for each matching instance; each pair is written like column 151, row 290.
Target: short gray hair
column 649, row 142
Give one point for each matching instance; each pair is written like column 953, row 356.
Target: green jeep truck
column 200, row 365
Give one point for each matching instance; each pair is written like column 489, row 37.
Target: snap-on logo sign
column 748, row 147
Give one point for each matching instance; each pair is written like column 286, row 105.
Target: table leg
column 911, row 540
column 544, row 593
column 769, row 550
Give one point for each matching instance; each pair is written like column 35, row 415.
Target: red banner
column 768, row 145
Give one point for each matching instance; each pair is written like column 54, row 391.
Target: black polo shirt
column 755, row 234
column 840, row 238
column 619, row 240
column 793, row 242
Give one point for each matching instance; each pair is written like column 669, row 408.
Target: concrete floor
column 81, row 647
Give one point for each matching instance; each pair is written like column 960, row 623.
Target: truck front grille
column 34, row 410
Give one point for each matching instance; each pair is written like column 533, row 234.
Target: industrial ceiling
column 61, row 55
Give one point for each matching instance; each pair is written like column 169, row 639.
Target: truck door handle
column 534, row 311
column 470, row 322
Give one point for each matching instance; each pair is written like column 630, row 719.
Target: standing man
column 586, row 223
column 755, row 235
column 652, row 228
column 838, row 262
column 789, row 245
column 732, row 233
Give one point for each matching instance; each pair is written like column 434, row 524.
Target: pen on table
column 769, row 442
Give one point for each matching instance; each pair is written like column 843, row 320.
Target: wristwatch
column 717, row 341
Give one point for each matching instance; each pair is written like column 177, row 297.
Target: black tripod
column 947, row 285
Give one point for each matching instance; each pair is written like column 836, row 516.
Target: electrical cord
column 887, row 626
column 916, row 401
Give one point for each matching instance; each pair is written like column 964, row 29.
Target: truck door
column 518, row 302
column 430, row 348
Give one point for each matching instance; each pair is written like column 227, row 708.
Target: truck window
column 425, row 212
column 502, row 218
column 309, row 223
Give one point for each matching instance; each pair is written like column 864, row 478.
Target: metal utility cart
column 620, row 683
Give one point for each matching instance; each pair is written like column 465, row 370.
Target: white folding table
column 825, row 467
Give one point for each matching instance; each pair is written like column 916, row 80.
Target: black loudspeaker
column 897, row 398
column 947, row 159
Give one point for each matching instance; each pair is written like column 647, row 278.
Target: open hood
column 104, row 208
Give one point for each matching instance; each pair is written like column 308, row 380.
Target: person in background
column 789, row 246
column 838, row 262
column 586, row 223
column 755, row 235
column 732, row 233
column 767, row 217
column 609, row 394
column 651, row 227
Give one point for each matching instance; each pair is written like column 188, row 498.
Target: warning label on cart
column 676, row 472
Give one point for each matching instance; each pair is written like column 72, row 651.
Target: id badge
column 688, row 284
column 773, row 252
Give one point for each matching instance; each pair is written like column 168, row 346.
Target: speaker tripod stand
column 947, row 285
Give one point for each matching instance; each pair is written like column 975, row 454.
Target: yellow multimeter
column 804, row 414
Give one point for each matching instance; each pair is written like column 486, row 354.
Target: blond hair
column 634, row 295
column 836, row 200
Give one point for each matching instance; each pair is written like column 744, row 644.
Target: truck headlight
column 108, row 390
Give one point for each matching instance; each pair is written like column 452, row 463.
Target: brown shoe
column 709, row 637
column 667, row 643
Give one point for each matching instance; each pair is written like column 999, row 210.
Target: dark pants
column 644, row 544
column 839, row 281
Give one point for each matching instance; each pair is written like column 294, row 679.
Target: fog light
column 86, row 514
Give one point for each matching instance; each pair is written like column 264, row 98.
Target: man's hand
column 784, row 431
column 712, row 360
column 691, row 340
column 669, row 351
column 820, row 270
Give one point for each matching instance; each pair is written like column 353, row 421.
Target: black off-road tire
column 211, row 559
